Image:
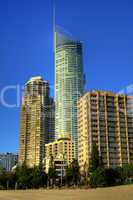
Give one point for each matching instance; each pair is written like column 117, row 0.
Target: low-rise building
column 63, row 146
column 60, row 165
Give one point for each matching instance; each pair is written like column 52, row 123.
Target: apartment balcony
column 112, row 119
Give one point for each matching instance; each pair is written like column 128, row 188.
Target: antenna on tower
column 54, row 19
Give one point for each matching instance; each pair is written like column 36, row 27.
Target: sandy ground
column 114, row 193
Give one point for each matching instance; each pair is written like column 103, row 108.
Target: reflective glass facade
column 69, row 85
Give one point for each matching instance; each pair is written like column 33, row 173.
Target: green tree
column 69, row 175
column 95, row 160
column 3, row 179
column 128, row 170
column 52, row 175
column 121, row 175
column 36, row 177
column 24, row 177
column 113, row 176
column 39, row 177
column 11, row 180
column 43, row 175
column 97, row 178
column 73, row 173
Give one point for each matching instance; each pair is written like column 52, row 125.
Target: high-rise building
column 34, row 126
column 8, row 161
column 51, row 120
column 106, row 119
column 69, row 85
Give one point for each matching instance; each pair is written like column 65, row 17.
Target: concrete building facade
column 106, row 119
column 34, row 127
column 51, row 120
column 63, row 147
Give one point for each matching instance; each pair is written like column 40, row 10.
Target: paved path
column 114, row 193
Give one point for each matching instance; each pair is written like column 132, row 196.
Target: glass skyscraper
column 69, row 85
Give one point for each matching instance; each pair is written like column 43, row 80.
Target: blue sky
column 26, row 48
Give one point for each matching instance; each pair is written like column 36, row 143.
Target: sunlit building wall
column 106, row 119
column 34, row 126
column 61, row 148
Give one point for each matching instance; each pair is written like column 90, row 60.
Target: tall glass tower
column 69, row 85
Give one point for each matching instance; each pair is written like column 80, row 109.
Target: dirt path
column 114, row 193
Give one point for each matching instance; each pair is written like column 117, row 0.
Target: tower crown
column 36, row 78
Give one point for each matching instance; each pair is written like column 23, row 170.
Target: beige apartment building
column 34, row 122
column 106, row 119
column 63, row 148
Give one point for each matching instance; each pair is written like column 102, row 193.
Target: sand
column 113, row 193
